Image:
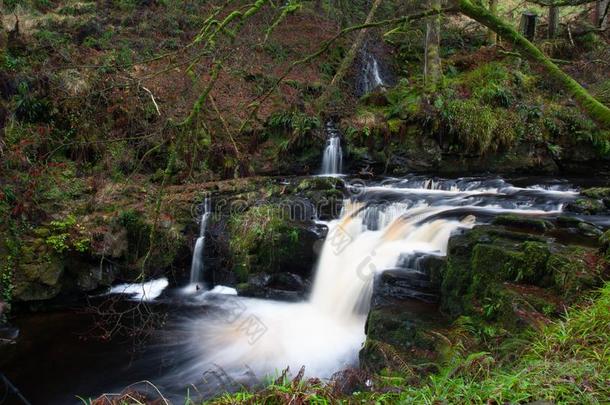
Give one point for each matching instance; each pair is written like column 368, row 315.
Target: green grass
column 568, row 362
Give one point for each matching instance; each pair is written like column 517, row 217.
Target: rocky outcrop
column 404, row 318
column 513, row 274
column 71, row 256
column 260, row 226
column 488, row 266
column 398, row 147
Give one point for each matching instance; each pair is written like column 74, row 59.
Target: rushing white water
column 147, row 291
column 197, row 265
column 380, row 228
column 332, row 160
column 371, row 75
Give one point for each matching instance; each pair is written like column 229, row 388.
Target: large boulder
column 401, row 333
column 39, row 273
column 266, row 226
column 265, row 239
column 592, row 201
column 280, row 286
column 489, row 266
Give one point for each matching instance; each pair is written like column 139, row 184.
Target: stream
column 211, row 341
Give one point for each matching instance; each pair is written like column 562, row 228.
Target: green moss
column 38, row 273
column 482, row 261
column 586, row 206
column 574, row 270
column 493, row 73
column 597, row 192
column 261, row 239
column 477, row 127
column 318, row 183
column 397, row 336
column 522, row 223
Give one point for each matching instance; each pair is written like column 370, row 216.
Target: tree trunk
column 492, row 38
column 589, row 104
column 553, row 21
column 432, row 61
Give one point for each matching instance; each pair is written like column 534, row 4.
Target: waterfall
column 383, row 227
column 332, row 160
column 353, row 254
column 197, row 261
column 371, row 75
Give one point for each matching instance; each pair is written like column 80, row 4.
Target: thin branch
column 152, row 97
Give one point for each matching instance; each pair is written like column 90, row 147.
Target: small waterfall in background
column 371, row 74
column 197, row 263
column 332, row 160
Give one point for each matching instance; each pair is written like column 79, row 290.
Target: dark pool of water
column 57, row 357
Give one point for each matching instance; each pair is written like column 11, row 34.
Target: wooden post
column 528, row 25
column 553, row 21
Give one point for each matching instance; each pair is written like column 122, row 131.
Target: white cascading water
column 371, row 75
column 378, row 228
column 197, row 265
column 332, row 160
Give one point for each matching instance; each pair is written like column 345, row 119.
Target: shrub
column 478, row 128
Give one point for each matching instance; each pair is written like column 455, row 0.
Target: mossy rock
column 597, row 192
column 399, row 335
column 500, row 263
column 320, row 183
column 483, row 261
column 565, row 221
column 587, row 206
column 262, row 239
column 38, row 275
column 522, row 223
column 574, row 270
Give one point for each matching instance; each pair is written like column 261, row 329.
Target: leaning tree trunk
column 432, row 62
column 593, row 107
